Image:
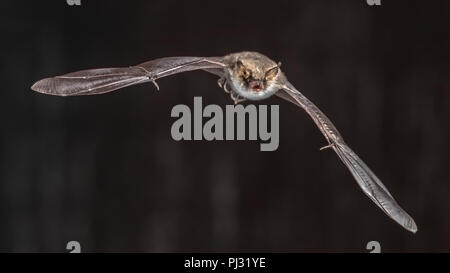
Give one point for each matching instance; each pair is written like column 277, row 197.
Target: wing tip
column 404, row 220
column 36, row 87
column 394, row 211
column 48, row 86
column 411, row 226
column 42, row 86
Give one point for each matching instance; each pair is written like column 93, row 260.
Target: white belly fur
column 250, row 95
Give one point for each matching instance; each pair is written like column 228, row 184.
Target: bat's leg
column 222, row 82
column 236, row 98
column 227, row 88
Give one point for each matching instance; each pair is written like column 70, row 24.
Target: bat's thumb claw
column 326, row 147
column 156, row 85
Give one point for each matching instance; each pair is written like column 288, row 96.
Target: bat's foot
column 223, row 83
column 236, row 98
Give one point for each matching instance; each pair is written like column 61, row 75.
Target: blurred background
column 104, row 170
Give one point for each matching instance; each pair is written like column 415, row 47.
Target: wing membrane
column 103, row 80
column 365, row 178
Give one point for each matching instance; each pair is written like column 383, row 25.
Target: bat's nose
column 256, row 85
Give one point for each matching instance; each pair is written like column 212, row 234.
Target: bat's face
column 254, row 77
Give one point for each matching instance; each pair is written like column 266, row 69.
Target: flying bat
column 245, row 76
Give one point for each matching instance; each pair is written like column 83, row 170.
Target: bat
column 244, row 76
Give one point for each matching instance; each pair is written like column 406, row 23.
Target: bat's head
column 254, row 76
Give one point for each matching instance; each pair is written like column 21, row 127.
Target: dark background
column 104, row 170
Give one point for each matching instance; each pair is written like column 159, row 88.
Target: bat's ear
column 271, row 73
column 279, row 64
column 240, row 65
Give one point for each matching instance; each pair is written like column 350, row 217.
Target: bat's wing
column 103, row 80
column 366, row 179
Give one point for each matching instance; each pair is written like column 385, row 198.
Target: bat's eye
column 246, row 74
column 271, row 73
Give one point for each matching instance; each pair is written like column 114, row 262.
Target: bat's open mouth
column 256, row 86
